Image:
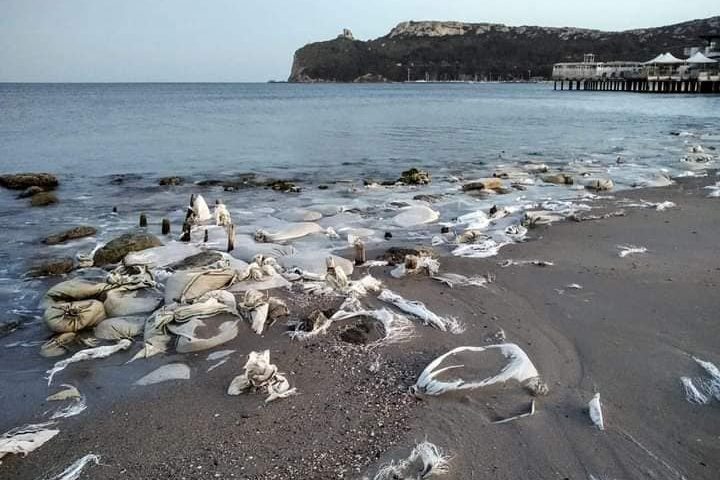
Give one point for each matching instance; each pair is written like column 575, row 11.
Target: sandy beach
column 630, row 332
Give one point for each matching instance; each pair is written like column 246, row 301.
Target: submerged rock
column 494, row 184
column 7, row 326
column 415, row 176
column 42, row 199
column 30, row 191
column 21, row 181
column 396, row 255
column 115, row 250
column 285, row 186
column 53, row 267
column 559, row 179
column 171, row 181
column 72, row 234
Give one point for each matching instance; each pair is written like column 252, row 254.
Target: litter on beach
column 701, row 390
column 519, row 368
column 74, row 471
column 26, row 439
column 425, row 460
column 595, row 412
column 419, row 310
column 166, row 373
column 456, row 280
column 626, row 250
column 88, row 354
column 260, row 374
column 529, row 413
column 75, row 407
column 537, row 263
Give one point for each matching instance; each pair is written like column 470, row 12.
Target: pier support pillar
column 555, row 85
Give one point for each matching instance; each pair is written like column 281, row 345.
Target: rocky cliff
column 465, row 51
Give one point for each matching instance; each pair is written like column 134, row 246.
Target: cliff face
column 464, row 51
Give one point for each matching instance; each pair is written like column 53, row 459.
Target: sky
column 246, row 40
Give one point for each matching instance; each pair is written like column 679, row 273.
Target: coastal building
column 699, row 73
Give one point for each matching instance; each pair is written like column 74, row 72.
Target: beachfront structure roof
column 665, row 59
column 700, row 58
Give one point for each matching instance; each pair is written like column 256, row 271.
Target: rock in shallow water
column 21, row 181
column 42, row 199
column 56, row 266
column 115, row 250
column 72, row 234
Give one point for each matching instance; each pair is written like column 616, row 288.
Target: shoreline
column 619, row 335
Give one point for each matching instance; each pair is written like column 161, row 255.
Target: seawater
column 110, row 143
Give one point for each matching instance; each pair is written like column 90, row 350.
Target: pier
column 699, row 73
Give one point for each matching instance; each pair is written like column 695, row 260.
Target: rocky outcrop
column 468, row 51
column 115, row 250
column 22, row 181
column 71, row 234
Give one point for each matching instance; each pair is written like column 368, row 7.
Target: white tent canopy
column 700, row 58
column 665, row 59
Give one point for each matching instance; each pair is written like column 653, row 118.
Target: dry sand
column 628, row 334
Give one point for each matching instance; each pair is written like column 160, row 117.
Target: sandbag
column 201, row 209
column 197, row 334
column 246, row 248
column 74, row 316
column 75, row 289
column 119, row 328
column 288, row 232
column 315, row 262
column 184, row 287
column 415, row 215
column 121, row 302
column 160, row 257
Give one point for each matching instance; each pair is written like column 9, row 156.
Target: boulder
column 72, row 234
column 115, row 250
column 21, row 181
column 30, row 191
column 171, row 181
column 494, row 184
column 414, row 176
column 53, row 267
column 559, row 179
column 42, row 199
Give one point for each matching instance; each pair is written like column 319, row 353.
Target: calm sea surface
column 336, row 135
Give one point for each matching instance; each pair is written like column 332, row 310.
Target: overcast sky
column 247, row 40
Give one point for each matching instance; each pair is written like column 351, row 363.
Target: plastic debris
column 219, row 355
column 522, row 415
column 419, row 310
column 396, row 327
column 707, row 388
column 425, row 461
column 519, row 368
column 25, row 439
column 291, row 232
column 574, row 286
column 692, row 393
column 626, row 250
column 76, row 407
column 88, row 354
column 659, row 206
column 68, row 393
column 222, row 215
column 73, row 471
column 316, row 324
column 416, row 264
column 260, row 374
column 595, row 411
column 537, row 263
column 171, row 371
column 456, row 280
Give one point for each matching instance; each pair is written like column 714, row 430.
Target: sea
column 109, row 145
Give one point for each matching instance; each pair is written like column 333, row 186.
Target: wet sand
column 628, row 334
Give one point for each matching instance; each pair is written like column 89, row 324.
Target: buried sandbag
column 171, row 371
column 246, row 248
column 88, row 354
column 58, row 345
column 25, row 439
column 289, row 232
column 163, row 256
column 123, row 303
column 75, row 289
column 119, row 328
column 426, row 460
column 69, row 392
column 188, row 286
column 419, row 310
column 315, row 262
column 74, row 316
column 518, row 368
column 415, row 215
column 391, row 327
column 595, row 412
column 260, row 374
column 414, row 265
column 196, row 335
column 262, row 311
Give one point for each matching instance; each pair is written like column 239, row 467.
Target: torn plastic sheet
column 419, row 310
column 483, row 249
column 537, row 263
column 317, row 322
column 516, row 417
column 260, row 374
column 25, row 439
column 519, row 368
column 659, row 206
column 456, row 280
column 626, row 250
column 222, row 215
column 171, row 371
column 595, row 412
column 68, row 393
column 692, row 393
column 415, row 215
column 74, row 471
column 397, row 328
column 88, row 354
column 707, row 388
column 75, row 407
column 425, row 461
column 714, row 190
